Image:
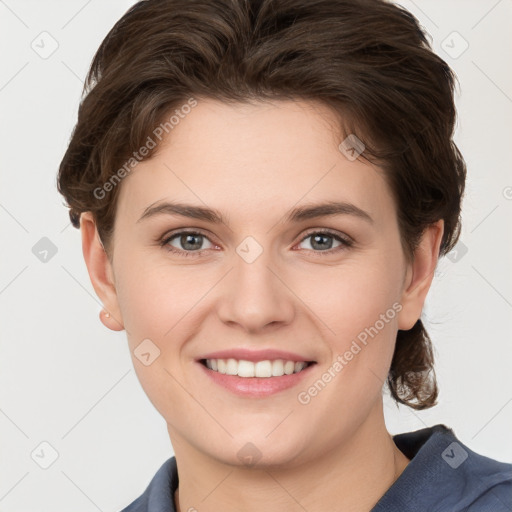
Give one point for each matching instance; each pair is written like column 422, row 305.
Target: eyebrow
column 299, row 214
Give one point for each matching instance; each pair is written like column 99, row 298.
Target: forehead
column 252, row 158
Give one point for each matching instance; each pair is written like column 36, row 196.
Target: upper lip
column 255, row 355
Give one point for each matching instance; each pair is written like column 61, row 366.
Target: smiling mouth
column 259, row 369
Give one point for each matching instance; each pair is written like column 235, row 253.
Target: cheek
column 354, row 295
column 359, row 307
column 157, row 304
column 154, row 297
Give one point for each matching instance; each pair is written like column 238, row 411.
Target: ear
column 419, row 276
column 100, row 272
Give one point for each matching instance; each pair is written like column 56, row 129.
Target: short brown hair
column 368, row 60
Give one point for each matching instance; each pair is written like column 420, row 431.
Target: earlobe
column 420, row 273
column 109, row 321
column 100, row 272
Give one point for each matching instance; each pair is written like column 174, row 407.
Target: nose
column 255, row 296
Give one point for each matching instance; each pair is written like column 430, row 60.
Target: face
column 262, row 284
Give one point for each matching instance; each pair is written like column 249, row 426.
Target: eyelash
column 346, row 243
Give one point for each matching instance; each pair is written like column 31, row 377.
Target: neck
column 351, row 476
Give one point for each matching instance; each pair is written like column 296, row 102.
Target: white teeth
column 262, row 369
column 278, row 367
column 245, row 369
column 289, row 367
column 231, row 367
column 221, row 365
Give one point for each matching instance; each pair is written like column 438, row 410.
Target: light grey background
column 68, row 381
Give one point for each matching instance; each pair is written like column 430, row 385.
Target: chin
column 259, row 453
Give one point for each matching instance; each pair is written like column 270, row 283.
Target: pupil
column 319, row 237
column 185, row 241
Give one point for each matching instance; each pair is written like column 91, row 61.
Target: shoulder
column 496, row 499
column 445, row 475
column 483, row 484
column 159, row 494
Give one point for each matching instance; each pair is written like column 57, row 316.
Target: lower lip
column 256, row 386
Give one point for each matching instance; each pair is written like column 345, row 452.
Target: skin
column 254, row 163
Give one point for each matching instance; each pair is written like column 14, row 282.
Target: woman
column 264, row 189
